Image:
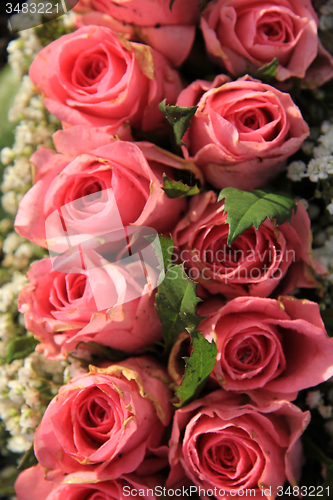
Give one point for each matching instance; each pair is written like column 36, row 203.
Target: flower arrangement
column 166, row 306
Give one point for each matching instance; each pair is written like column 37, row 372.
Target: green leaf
column 20, row 348
column 171, row 4
column 179, row 118
column 167, row 252
column 164, row 256
column 176, row 303
column 177, row 189
column 268, row 71
column 198, row 368
column 247, row 208
column 28, row 459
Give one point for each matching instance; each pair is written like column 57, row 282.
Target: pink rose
column 244, row 36
column 170, row 31
column 33, row 480
column 91, row 163
column 61, row 309
column 106, row 423
column 94, row 77
column 279, row 345
column 229, row 445
column 242, row 132
column 272, row 260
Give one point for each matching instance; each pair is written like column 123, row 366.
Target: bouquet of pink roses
column 178, row 284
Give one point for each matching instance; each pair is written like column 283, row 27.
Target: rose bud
column 32, row 479
column 243, row 36
column 242, row 132
column 278, row 345
column 269, row 261
column 224, row 442
column 94, row 77
column 99, row 170
column 169, row 30
column 106, row 423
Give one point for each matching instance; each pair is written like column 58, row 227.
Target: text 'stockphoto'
column 166, row 249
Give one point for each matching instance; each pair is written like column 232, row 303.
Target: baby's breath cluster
column 29, row 383
column 35, row 127
column 326, row 16
column 26, row 387
column 320, row 167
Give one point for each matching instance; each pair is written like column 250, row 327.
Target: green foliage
column 268, row 71
column 9, row 85
column 167, row 250
column 198, row 368
column 247, row 208
column 179, row 118
column 28, row 459
column 176, row 303
column 51, row 30
column 20, row 348
column 177, row 189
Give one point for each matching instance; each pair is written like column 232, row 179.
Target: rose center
column 251, row 121
column 271, row 30
column 96, row 414
column 275, row 28
column 93, row 191
column 78, row 288
column 226, row 456
column 67, row 289
column 94, row 68
column 248, row 354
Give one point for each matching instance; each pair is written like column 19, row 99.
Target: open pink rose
column 245, row 35
column 118, row 178
column 33, row 480
column 169, row 30
column 94, row 77
column 106, row 423
column 272, row 260
column 279, row 345
column 61, row 309
column 221, row 442
column 242, row 132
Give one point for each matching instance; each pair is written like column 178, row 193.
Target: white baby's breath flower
column 330, row 208
column 325, row 411
column 304, row 203
column 9, row 202
column 73, row 370
column 18, row 444
column 6, row 156
column 12, row 242
column 296, row 170
column 320, row 168
column 6, row 327
column 28, row 420
column 313, row 399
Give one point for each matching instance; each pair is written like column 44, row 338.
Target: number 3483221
column 304, row 491
column 32, row 8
